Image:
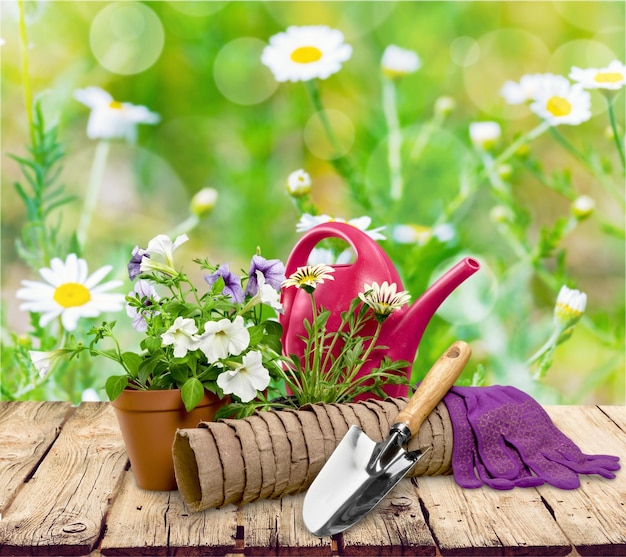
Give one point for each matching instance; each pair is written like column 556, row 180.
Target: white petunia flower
column 305, row 53
column 562, row 103
column 612, row 77
column 224, row 338
column 111, row 119
column 398, row 62
column 70, row 292
column 162, row 246
column 142, row 290
column 308, row 221
column 246, row 380
column 267, row 294
column 182, row 336
column 299, row 183
column 528, row 86
column 44, row 361
column 484, row 135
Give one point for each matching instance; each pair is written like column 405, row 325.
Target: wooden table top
column 66, row 489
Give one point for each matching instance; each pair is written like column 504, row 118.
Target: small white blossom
column 570, row 306
column 298, row 183
column 203, row 202
column 182, row 335
column 528, row 86
column 111, row 119
column 305, row 53
column 562, row 103
column 612, row 77
column 484, row 135
column 398, row 62
column 247, row 379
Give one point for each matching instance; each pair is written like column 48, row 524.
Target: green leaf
column 192, row 393
column 115, row 385
column 274, row 328
column 256, row 334
column 132, row 361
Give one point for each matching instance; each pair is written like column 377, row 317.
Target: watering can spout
column 404, row 331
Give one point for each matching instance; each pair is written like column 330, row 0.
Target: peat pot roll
column 272, row 454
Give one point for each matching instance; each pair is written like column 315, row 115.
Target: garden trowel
column 360, row 472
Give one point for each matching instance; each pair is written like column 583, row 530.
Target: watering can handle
column 368, row 252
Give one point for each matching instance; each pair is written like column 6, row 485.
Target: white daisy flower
column 308, row 221
column 309, row 277
column 111, row 119
column 223, row 338
column 384, row 299
column 305, row 53
column 529, row 84
column 182, row 336
column 398, row 62
column 246, row 379
column 484, row 135
column 612, row 77
column 70, row 292
column 561, row 103
column 299, row 183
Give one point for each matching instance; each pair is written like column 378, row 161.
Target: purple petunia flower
column 134, row 265
column 232, row 283
column 273, row 271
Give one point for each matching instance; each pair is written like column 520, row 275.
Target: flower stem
column 394, row 142
column 28, row 94
column 341, row 163
column 526, row 138
column 616, row 136
column 93, row 189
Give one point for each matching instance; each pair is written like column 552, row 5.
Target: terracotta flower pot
column 149, row 420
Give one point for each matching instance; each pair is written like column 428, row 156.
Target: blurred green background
column 227, row 124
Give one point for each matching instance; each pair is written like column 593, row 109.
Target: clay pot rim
column 133, row 400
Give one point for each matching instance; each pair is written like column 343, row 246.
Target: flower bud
column 204, row 202
column 501, row 214
column 444, row 106
column 485, row 135
column 398, row 62
column 583, row 206
column 298, row 183
column 505, row 171
column 570, row 306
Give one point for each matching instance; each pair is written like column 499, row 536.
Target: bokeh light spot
column 126, row 37
column 239, row 74
column 316, row 138
column 464, row 51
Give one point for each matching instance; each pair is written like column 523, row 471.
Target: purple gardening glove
column 506, row 421
column 466, row 461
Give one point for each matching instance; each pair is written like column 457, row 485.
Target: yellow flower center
column 608, row 77
column 306, row 54
column 116, row 105
column 71, row 294
column 558, row 106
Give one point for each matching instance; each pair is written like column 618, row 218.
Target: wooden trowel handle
column 435, row 385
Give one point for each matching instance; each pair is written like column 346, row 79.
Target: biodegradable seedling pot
column 149, row 421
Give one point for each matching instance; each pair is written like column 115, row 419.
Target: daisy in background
column 485, row 135
column 70, row 292
column 398, row 62
column 526, row 89
column 111, row 119
column 363, row 223
column 305, row 53
column 612, row 77
column 559, row 102
column 298, row 183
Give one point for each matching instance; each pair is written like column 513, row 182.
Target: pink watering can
column 401, row 331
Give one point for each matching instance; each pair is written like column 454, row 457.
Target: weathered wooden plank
column 275, row 527
column 594, row 516
column 144, row 522
column 61, row 510
column 396, row 526
column 486, row 521
column 27, row 430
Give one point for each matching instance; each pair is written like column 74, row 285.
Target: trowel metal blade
column 346, row 488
